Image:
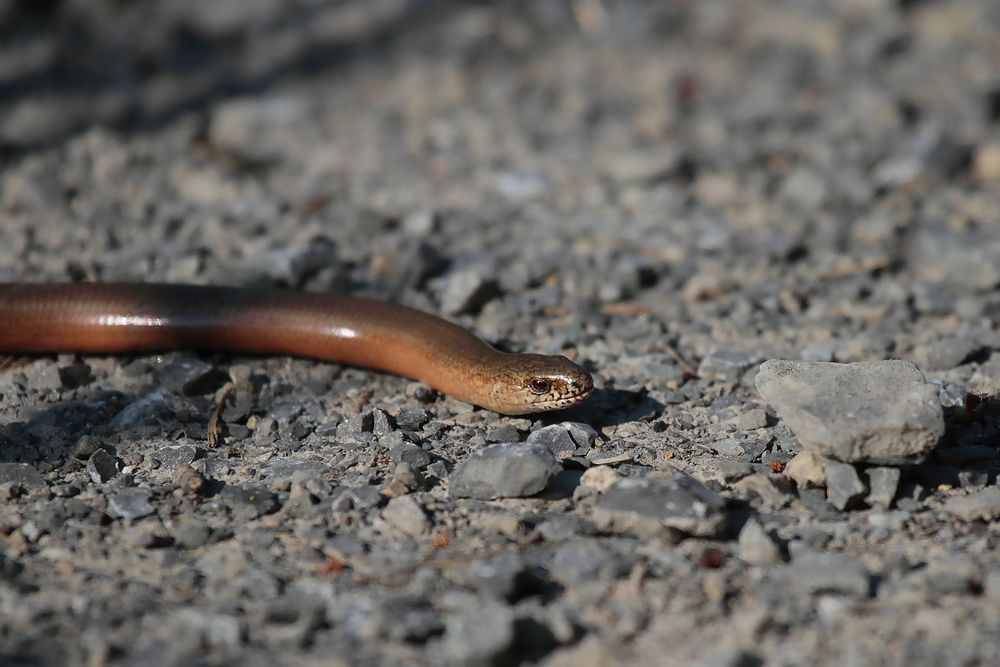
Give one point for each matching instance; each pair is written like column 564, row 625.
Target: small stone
column 141, row 411
column 752, row 420
column 506, row 470
column 467, row 291
column 131, row 503
column 599, row 477
column 986, row 162
column 771, row 491
column 412, row 419
column 946, row 353
column 875, row 412
column 172, row 456
column 188, row 479
column 982, row 505
column 647, row 506
column 480, row 635
column 757, row 546
column 642, row 166
column 102, row 467
column 382, row 422
column 806, row 469
column 503, row 433
column 832, row 572
column 409, row 453
column 406, row 515
column 190, row 376
column 565, row 439
column 191, row 533
column 724, row 365
column 590, row 559
column 882, row 485
column 500, row 577
column 844, row 488
column 22, row 475
column 75, row 375
column 249, row 502
column 732, row 471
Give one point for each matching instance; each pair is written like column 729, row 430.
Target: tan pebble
column 599, row 477
column 806, row 469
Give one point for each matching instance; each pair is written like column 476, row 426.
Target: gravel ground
column 704, row 203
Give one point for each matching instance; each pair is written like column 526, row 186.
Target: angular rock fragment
column 844, row 487
column 882, row 486
column 505, row 470
column 871, row 412
column 651, row 506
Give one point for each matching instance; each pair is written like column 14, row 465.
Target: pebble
column 102, row 467
column 882, row 486
column 505, row 470
column 565, row 439
column 844, row 487
column 131, row 503
column 982, row 505
column 480, row 635
column 946, row 353
column 757, row 546
column 600, row 478
column 407, row 515
column 172, row 456
column 191, row 533
column 249, row 502
column 467, row 291
column 865, row 412
column 410, row 453
column 190, row 376
column 648, row 505
column 806, row 469
column 770, row 491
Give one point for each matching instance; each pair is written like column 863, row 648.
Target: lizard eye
column 539, row 386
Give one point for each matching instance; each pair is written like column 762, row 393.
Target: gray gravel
column 768, row 227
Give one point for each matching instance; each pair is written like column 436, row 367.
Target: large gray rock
column 505, row 470
column 649, row 506
column 870, row 411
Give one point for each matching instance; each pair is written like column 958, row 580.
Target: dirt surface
column 671, row 193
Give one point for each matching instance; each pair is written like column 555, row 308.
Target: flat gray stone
column 21, row 474
column 648, row 506
column 872, row 412
column 983, row 505
column 409, row 453
column 504, row 470
column 131, row 503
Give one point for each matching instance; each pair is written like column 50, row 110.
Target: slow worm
column 105, row 318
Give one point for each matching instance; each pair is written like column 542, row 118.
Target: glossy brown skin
column 94, row 317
